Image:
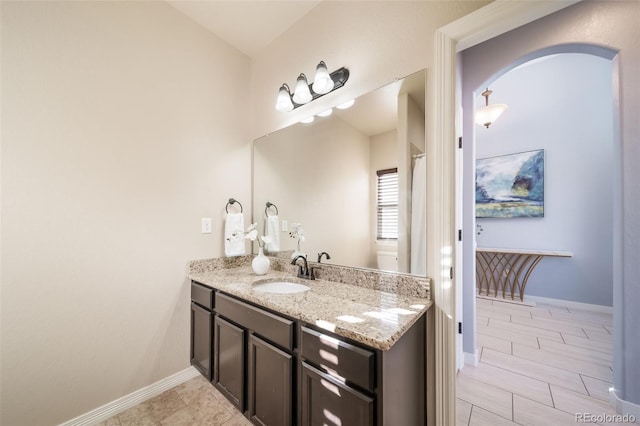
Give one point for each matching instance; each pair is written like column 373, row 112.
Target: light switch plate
column 206, row 225
column 285, row 226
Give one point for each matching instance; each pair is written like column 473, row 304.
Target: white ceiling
column 247, row 25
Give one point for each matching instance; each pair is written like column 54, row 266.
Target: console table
column 507, row 270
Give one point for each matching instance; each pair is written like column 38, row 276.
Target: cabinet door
column 201, row 329
column 326, row 401
column 270, row 383
column 228, row 367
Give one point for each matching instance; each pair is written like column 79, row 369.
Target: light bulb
column 302, row 95
column 325, row 113
column 308, row 120
column 322, row 82
column 347, row 104
column 283, row 102
column 488, row 114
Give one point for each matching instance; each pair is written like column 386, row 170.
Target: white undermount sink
column 280, row 287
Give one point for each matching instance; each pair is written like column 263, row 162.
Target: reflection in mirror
column 347, row 180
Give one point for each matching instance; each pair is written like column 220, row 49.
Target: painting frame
column 511, row 185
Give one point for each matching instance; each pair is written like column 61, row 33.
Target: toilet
column 387, row 260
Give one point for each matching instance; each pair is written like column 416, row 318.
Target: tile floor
column 193, row 403
column 538, row 366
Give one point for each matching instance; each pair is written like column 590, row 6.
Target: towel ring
column 233, row 201
column 270, row 205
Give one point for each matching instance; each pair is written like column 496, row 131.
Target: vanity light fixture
column 322, row 82
column 283, row 103
column 347, row 104
column 304, row 92
column 328, row 112
column 488, row 114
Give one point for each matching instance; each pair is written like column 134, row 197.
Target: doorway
column 560, row 101
column 575, row 24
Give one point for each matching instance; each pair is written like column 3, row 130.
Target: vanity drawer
column 202, row 295
column 353, row 363
column 272, row 327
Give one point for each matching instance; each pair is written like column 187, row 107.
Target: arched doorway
column 538, row 123
column 561, row 103
column 589, row 22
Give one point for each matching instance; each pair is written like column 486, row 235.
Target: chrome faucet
column 303, row 270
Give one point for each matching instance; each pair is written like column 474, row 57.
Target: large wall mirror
column 354, row 181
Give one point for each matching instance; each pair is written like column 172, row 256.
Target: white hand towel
column 272, row 229
column 234, row 246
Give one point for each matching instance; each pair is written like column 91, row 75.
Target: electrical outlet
column 206, row 225
column 285, row 226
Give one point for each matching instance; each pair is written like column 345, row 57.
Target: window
column 387, row 204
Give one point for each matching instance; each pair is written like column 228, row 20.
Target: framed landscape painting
column 510, row 185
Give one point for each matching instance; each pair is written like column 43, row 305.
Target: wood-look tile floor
column 537, row 366
column 193, row 403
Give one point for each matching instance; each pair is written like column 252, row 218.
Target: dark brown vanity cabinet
column 337, row 381
column 326, row 400
column 229, row 366
column 201, row 329
column 349, row 384
column 265, row 376
column 269, row 376
column 281, row 372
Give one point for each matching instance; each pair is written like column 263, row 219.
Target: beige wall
column 123, row 123
column 384, row 155
column 318, row 175
column 378, row 41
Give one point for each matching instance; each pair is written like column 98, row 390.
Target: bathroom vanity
column 335, row 354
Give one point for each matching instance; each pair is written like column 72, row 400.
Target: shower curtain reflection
column 419, row 218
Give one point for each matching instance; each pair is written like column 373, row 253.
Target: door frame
column 487, row 22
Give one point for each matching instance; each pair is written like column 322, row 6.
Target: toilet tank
column 388, row 261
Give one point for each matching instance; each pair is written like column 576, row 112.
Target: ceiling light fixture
column 488, row 114
column 304, row 93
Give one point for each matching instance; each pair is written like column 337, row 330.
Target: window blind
column 387, row 204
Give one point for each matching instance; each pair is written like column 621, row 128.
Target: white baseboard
column 623, row 407
column 124, row 403
column 526, row 302
column 571, row 304
column 471, row 359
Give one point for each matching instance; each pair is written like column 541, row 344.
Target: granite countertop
column 372, row 317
